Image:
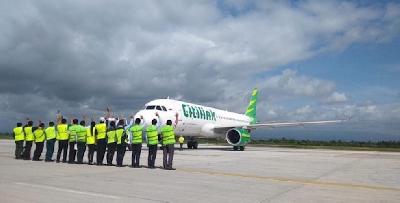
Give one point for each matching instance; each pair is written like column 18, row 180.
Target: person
column 90, row 141
column 19, row 137
column 168, row 142
column 81, row 141
column 100, row 132
column 62, row 137
column 29, row 137
column 111, row 143
column 121, row 142
column 181, row 141
column 152, row 142
column 73, row 133
column 137, row 139
column 39, row 142
column 50, row 133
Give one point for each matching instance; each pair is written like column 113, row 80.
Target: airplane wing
column 277, row 124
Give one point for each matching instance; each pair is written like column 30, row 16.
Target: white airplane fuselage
column 190, row 120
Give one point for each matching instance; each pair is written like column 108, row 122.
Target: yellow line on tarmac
column 294, row 180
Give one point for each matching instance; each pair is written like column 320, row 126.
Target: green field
column 6, row 136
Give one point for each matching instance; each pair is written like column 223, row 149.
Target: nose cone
column 146, row 116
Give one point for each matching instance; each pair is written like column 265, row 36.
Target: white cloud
column 337, row 97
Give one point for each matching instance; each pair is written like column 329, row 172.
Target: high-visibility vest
column 101, row 130
column 81, row 134
column 73, row 132
column 181, row 140
column 152, row 135
column 39, row 135
column 111, row 136
column 62, row 130
column 137, row 133
column 19, row 134
column 119, row 133
column 29, row 134
column 168, row 135
column 50, row 133
column 90, row 139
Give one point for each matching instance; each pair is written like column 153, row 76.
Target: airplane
column 193, row 120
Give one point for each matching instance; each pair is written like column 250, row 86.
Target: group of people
column 107, row 136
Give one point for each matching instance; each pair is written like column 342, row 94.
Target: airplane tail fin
column 251, row 109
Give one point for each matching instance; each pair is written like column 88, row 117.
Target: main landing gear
column 236, row 148
column 192, row 143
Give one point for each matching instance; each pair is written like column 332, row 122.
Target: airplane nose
column 146, row 117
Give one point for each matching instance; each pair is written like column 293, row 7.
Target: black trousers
column 19, row 147
column 72, row 152
column 180, row 148
column 92, row 148
column 62, row 147
column 136, row 150
column 152, row 155
column 50, row 149
column 168, row 152
column 38, row 151
column 81, row 151
column 121, row 148
column 111, row 147
column 27, row 150
column 101, row 150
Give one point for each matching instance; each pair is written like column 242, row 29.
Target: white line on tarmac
column 67, row 190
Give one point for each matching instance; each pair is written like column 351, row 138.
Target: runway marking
column 68, row 190
column 294, row 180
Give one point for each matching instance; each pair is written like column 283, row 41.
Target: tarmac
column 209, row 174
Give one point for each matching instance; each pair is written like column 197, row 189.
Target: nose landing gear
column 192, row 143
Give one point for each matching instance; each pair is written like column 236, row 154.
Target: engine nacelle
column 238, row 136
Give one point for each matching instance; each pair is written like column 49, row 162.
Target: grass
column 6, row 137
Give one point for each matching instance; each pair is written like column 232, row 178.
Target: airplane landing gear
column 236, row 148
column 192, row 144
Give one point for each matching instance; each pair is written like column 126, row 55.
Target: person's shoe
column 173, row 169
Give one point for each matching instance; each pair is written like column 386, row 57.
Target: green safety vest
column 111, row 136
column 39, row 135
column 29, row 134
column 168, row 135
column 73, row 132
column 90, row 139
column 62, row 132
column 81, row 134
column 50, row 133
column 19, row 134
column 137, row 132
column 101, row 130
column 152, row 135
column 119, row 133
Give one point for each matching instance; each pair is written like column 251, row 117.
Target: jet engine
column 238, row 136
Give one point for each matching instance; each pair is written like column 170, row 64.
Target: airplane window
column 150, row 107
column 159, row 108
column 164, row 109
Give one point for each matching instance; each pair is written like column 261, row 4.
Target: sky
column 310, row 60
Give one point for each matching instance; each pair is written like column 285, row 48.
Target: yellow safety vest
column 181, row 140
column 50, row 133
column 137, row 133
column 62, row 132
column 90, row 139
column 168, row 135
column 152, row 135
column 119, row 132
column 111, row 136
column 39, row 135
column 29, row 134
column 101, row 130
column 19, row 134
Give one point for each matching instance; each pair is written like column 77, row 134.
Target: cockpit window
column 158, row 108
column 150, row 107
column 163, row 108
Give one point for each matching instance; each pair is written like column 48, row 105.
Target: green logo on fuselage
column 198, row 112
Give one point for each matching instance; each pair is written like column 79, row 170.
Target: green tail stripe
column 251, row 109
